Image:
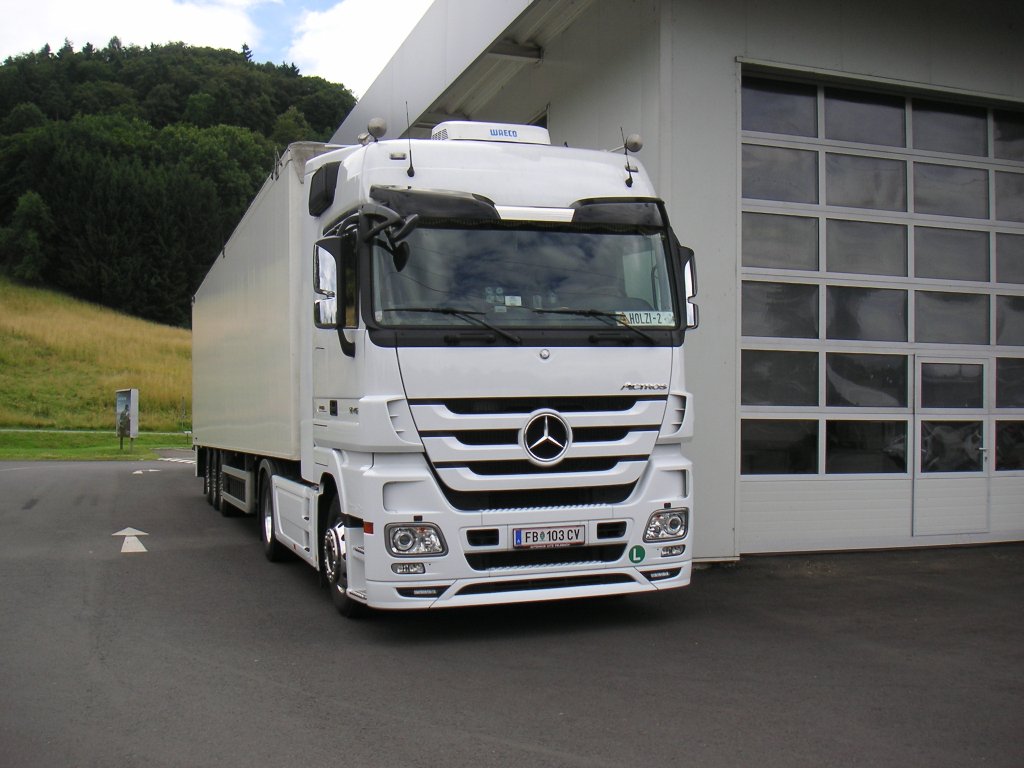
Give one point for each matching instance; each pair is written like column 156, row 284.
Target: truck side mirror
column 334, row 282
column 688, row 290
column 690, row 286
column 325, row 282
column 394, row 227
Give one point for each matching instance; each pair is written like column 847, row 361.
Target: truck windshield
column 525, row 278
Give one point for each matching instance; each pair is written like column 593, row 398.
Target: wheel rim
column 335, row 557
column 268, row 518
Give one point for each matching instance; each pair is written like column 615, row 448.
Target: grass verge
column 61, row 361
column 40, row 445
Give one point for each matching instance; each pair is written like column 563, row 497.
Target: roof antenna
column 625, row 151
column 632, row 144
column 410, row 172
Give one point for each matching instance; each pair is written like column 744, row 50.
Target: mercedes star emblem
column 546, row 437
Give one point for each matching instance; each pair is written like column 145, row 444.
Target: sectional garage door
column 882, row 318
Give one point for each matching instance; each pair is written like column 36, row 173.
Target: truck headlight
column 414, row 540
column 667, row 525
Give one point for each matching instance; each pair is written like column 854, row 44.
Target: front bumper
column 399, row 488
column 527, row 587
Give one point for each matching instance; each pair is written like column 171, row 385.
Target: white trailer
column 451, row 372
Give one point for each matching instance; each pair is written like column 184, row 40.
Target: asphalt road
column 198, row 652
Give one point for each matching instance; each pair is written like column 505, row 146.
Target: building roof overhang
column 479, row 56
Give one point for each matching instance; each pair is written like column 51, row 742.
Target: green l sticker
column 637, row 554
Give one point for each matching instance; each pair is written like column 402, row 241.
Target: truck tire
column 216, row 480
column 207, row 478
column 334, row 563
column 272, row 548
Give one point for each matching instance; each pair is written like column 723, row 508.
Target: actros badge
column 631, row 387
column 546, row 437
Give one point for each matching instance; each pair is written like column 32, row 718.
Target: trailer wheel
column 207, row 478
column 334, row 563
column 215, row 480
column 272, row 548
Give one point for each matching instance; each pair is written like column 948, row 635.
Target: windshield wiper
column 469, row 315
column 611, row 318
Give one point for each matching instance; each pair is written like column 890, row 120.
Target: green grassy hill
column 61, row 361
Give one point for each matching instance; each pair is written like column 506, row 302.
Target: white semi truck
column 451, row 372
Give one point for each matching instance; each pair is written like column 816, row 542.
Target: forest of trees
column 123, row 170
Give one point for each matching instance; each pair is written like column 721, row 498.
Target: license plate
column 551, row 536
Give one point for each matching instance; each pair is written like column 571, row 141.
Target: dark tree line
column 124, row 170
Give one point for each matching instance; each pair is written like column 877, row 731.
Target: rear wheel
column 334, row 563
column 207, row 477
column 216, row 481
column 272, row 548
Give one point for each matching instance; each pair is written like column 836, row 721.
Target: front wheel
column 334, row 563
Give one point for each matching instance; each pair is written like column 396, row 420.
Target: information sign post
column 126, row 414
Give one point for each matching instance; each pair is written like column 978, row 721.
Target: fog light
column 667, row 573
column 408, row 569
column 674, row 551
column 415, row 540
column 421, row 592
column 667, row 524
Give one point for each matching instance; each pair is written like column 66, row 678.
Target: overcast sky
column 344, row 41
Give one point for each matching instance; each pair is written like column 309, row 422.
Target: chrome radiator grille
column 505, row 453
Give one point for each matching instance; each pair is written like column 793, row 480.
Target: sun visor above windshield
column 434, row 203
column 627, row 210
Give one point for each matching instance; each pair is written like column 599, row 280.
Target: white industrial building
column 851, row 177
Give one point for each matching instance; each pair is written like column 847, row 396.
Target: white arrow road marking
column 131, row 540
column 144, row 471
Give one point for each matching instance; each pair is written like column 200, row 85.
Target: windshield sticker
column 646, row 318
column 513, row 301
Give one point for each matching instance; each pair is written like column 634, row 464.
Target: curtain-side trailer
column 451, row 372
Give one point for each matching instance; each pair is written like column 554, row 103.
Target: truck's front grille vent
column 487, row 437
column 524, row 405
column 497, row 468
column 477, row 449
column 483, row 537
column 479, row 501
column 522, row 585
column 511, row 436
column 527, row 558
column 614, row 530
